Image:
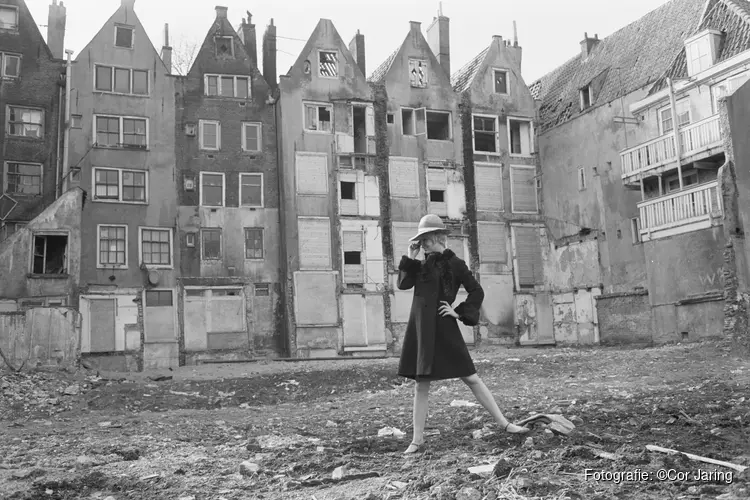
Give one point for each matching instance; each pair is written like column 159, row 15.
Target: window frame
column 120, row 144
column 495, row 70
column 531, row 137
column 338, row 66
column 99, row 264
column 18, row 15
column 218, row 77
column 513, row 210
column 25, row 195
column 171, row 247
column 119, row 199
column 501, row 188
column 694, row 47
column 5, row 56
column 8, row 123
column 131, row 77
column 223, row 189
column 586, row 91
column 201, row 144
column 132, row 36
column 259, row 136
column 216, row 45
column 450, row 124
column 675, row 122
column 262, row 194
column 262, row 242
column 426, row 64
column 317, row 105
column 221, row 243
column 49, row 232
column 497, row 135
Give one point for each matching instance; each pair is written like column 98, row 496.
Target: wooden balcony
column 693, row 208
column 698, row 140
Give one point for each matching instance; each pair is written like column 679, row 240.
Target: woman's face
column 429, row 243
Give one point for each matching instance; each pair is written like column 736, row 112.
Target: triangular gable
column 31, row 25
column 411, row 46
column 465, row 76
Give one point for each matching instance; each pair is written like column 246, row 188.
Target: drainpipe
column 66, row 138
column 675, row 130
column 58, row 167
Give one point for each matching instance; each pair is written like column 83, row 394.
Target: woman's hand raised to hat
column 414, row 248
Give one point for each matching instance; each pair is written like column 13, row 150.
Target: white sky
column 548, row 30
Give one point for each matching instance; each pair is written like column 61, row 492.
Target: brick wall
column 624, row 318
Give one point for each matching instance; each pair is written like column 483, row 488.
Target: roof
column 732, row 17
column 461, row 79
column 378, row 75
column 639, row 54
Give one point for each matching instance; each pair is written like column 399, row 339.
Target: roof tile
column 378, row 75
column 462, row 79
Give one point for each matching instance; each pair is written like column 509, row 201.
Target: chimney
column 588, row 44
column 357, row 48
column 166, row 50
column 438, row 37
column 130, row 4
column 515, row 49
column 248, row 37
column 269, row 55
column 220, row 11
column 56, row 29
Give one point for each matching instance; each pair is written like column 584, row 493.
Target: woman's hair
column 438, row 237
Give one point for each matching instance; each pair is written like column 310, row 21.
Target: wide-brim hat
column 429, row 224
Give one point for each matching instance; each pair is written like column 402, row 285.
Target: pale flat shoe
column 414, row 448
column 512, row 428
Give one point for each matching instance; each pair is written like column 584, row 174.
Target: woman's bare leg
column 485, row 398
column 419, row 415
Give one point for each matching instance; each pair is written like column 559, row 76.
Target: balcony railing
column 693, row 207
column 658, row 152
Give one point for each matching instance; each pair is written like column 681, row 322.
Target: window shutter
column 524, row 189
column 436, row 179
column 492, row 238
column 529, row 256
column 370, row 122
column 353, row 241
column 489, row 188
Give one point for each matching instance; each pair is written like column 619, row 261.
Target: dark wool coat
column 433, row 348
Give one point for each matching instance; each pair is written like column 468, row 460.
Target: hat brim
column 422, row 232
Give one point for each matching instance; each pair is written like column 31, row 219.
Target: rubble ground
column 336, row 430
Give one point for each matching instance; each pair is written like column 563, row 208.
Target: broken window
column 328, row 64
column 348, row 190
column 251, row 190
column 224, row 46
column 437, row 196
column 11, row 65
column 359, row 126
column 501, row 81
column 354, row 271
column 318, row 117
column 407, row 121
column 438, row 125
column 26, row 122
column 8, row 17
column 485, row 134
column 50, row 254
column 212, row 189
column 112, row 246
column 520, row 137
column 418, row 73
column 253, row 243
column 156, row 247
column 211, row 244
column 23, row 178
column 124, row 37
column 586, row 97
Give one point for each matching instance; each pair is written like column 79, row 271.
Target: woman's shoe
column 512, row 428
column 414, row 448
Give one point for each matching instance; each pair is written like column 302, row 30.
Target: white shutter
column 489, row 188
column 370, row 121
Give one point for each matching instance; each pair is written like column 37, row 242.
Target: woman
column 433, row 348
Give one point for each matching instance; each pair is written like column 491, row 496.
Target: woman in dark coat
column 433, row 348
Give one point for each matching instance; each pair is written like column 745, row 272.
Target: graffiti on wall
column 712, row 280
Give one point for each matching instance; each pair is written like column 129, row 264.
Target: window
column 23, row 178
column 121, row 80
column 8, row 17
column 119, row 185
column 262, row 290
column 25, row 122
column 50, row 254
column 8, row 229
column 418, row 73
column 251, row 190
column 76, row 121
column 389, row 118
column 354, row 270
column 158, row 298
column 439, row 125
column 698, row 55
column 11, row 65
column 529, row 263
column 156, row 246
column 112, row 246
column 253, row 243
column 227, row 86
column 501, row 81
column 329, row 66
column 348, row 190
column 210, row 135
column 211, row 244
column 520, row 137
column 124, row 37
column 224, row 46
column 437, row 185
column 121, row 131
column 251, row 136
column 190, row 240
column 413, row 121
column 666, row 123
column 212, row 189
column 635, row 229
column 586, row 97
column 485, row 134
column 318, row 117
column 523, row 190
column 581, row 179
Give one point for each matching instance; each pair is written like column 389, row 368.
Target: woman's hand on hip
column 445, row 309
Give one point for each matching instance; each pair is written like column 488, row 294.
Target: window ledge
column 123, row 94
column 227, row 98
column 99, row 200
column 121, row 148
column 307, row 131
column 48, row 276
column 22, row 196
column 24, row 138
column 112, row 268
column 151, row 267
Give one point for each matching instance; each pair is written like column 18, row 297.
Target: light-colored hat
column 430, row 223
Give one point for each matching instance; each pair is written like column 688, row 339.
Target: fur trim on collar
column 440, row 262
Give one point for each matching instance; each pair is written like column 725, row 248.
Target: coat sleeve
column 468, row 310
column 407, row 272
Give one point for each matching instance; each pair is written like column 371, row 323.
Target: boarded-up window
column 489, row 187
column 354, row 262
column 159, row 316
column 314, row 242
column 315, row 300
column 404, row 177
column 528, row 250
column 437, row 185
column 401, row 232
column 523, row 189
column 492, row 242
column 312, row 173
column 102, row 324
column 418, row 73
column 457, row 245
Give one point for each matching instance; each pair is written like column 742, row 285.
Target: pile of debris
column 41, row 394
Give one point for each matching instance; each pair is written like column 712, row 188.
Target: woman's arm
column 468, row 310
column 407, row 272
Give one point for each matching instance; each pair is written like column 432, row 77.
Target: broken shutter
column 311, row 117
column 528, row 256
column 523, row 183
column 493, row 245
column 354, row 272
column 420, row 116
column 342, row 121
column 370, row 121
column 489, row 188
